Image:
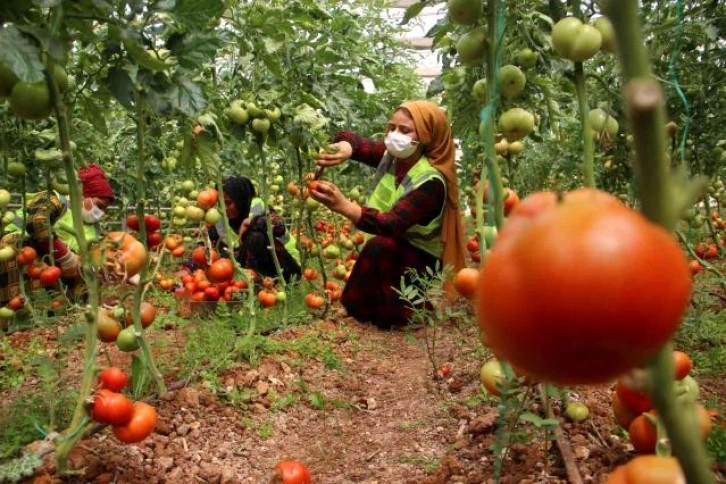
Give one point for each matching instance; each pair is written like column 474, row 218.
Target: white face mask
column 93, row 215
column 400, row 145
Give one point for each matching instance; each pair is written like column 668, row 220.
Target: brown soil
column 380, row 415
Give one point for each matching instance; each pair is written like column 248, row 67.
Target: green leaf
column 538, row 421
column 93, row 114
column 20, row 55
column 186, row 97
column 195, row 14
column 412, row 11
column 194, row 49
column 121, row 86
column 137, row 52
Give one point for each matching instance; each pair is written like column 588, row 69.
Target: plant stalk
column 143, row 276
column 588, row 146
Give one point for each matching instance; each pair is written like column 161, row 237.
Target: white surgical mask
column 93, row 215
column 399, row 144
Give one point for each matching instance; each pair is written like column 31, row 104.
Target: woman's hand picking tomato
column 580, row 290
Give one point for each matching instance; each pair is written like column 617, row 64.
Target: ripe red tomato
column 26, row 255
column 16, row 303
column 211, row 293
column 623, row 415
column 576, row 292
column 314, row 301
column 511, row 200
column 207, row 198
column 113, row 378
column 310, row 274
column 139, row 426
column 35, row 270
column 267, row 298
column 648, row 469
column 221, row 270
column 132, row 222
column 643, row 434
column 147, row 314
column 683, row 364
column 637, row 402
column 466, row 282
column 472, row 245
column 50, row 276
column 152, row 222
column 111, row 408
column 292, row 472
column 153, row 239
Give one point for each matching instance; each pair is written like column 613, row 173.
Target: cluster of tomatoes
column 212, row 281
column 36, row 270
column 152, row 223
column 110, row 329
column 132, row 421
column 633, row 409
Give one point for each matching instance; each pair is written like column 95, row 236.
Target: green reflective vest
column 257, row 208
column 386, row 194
column 63, row 227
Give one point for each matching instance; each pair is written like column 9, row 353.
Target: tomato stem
column 140, row 288
column 588, row 146
column 75, row 429
column 656, row 185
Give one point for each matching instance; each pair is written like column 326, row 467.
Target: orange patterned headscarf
column 434, row 134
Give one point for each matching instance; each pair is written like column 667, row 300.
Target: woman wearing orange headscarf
column 412, row 213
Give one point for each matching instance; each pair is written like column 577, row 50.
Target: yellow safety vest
column 386, row 194
column 63, row 227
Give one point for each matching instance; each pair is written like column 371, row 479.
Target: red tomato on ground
column 580, row 291
column 291, row 472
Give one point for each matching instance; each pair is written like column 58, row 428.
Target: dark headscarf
column 241, row 191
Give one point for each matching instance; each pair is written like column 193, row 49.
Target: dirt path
column 377, row 415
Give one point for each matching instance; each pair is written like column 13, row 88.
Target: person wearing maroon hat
column 47, row 218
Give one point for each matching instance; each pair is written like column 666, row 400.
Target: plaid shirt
column 42, row 213
column 419, row 207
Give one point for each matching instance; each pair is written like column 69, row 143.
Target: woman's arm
column 365, row 150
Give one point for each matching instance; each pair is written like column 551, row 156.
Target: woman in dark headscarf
column 246, row 214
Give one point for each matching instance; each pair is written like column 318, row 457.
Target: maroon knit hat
column 94, row 182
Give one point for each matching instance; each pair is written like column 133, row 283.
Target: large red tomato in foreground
column 580, row 291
